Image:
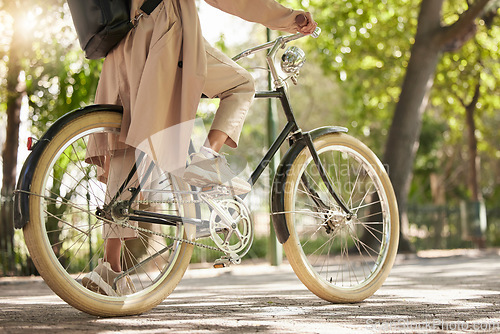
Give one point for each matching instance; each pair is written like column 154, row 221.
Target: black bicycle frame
column 297, row 135
column 290, row 130
column 290, row 127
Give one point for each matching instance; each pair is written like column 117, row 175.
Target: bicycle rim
column 341, row 258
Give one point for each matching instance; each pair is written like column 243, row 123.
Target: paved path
column 437, row 292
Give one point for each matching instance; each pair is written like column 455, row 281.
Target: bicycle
column 333, row 209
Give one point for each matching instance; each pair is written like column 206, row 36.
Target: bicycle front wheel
column 340, row 258
column 68, row 196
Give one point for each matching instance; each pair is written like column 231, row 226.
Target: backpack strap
column 150, row 5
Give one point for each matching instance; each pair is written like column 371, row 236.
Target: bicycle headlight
column 292, row 60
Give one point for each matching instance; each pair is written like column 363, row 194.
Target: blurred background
column 433, row 89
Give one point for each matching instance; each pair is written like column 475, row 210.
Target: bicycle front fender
column 23, row 187
column 278, row 187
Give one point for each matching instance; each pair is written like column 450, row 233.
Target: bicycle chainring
column 231, row 227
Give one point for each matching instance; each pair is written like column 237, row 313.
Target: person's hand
column 305, row 23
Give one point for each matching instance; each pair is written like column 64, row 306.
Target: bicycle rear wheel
column 66, row 205
column 340, row 258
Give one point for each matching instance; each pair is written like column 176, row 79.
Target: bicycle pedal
column 222, row 263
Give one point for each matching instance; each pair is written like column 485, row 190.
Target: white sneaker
column 102, row 278
column 207, row 172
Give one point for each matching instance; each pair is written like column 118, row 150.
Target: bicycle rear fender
column 278, row 188
column 23, row 187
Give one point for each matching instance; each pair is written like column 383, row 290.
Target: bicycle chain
column 144, row 230
column 174, row 201
column 165, row 202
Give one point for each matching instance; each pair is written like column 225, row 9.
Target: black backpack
column 102, row 24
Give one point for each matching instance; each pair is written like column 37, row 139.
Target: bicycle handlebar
column 276, row 44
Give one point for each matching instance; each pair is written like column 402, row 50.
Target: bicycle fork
column 306, row 137
column 324, row 177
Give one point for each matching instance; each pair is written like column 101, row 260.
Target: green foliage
column 53, row 75
column 56, row 77
column 366, row 45
column 493, row 231
column 458, row 74
column 59, row 79
column 60, row 87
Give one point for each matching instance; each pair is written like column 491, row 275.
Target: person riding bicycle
column 158, row 73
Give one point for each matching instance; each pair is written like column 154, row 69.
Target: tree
column 432, row 38
column 14, row 93
column 470, row 100
column 385, row 55
column 46, row 66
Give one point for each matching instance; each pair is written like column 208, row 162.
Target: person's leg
column 235, row 88
column 114, row 235
column 216, row 139
column 112, row 253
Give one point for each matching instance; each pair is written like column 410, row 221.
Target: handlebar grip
column 301, row 20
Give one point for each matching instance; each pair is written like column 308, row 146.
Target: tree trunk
column 431, row 39
column 9, row 151
column 474, row 164
column 404, row 133
column 473, row 178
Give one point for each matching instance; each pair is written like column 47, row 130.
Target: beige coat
column 158, row 71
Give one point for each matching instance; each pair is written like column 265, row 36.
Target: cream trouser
column 225, row 80
column 235, row 88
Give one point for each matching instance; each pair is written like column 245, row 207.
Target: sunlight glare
column 5, row 30
column 29, row 20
